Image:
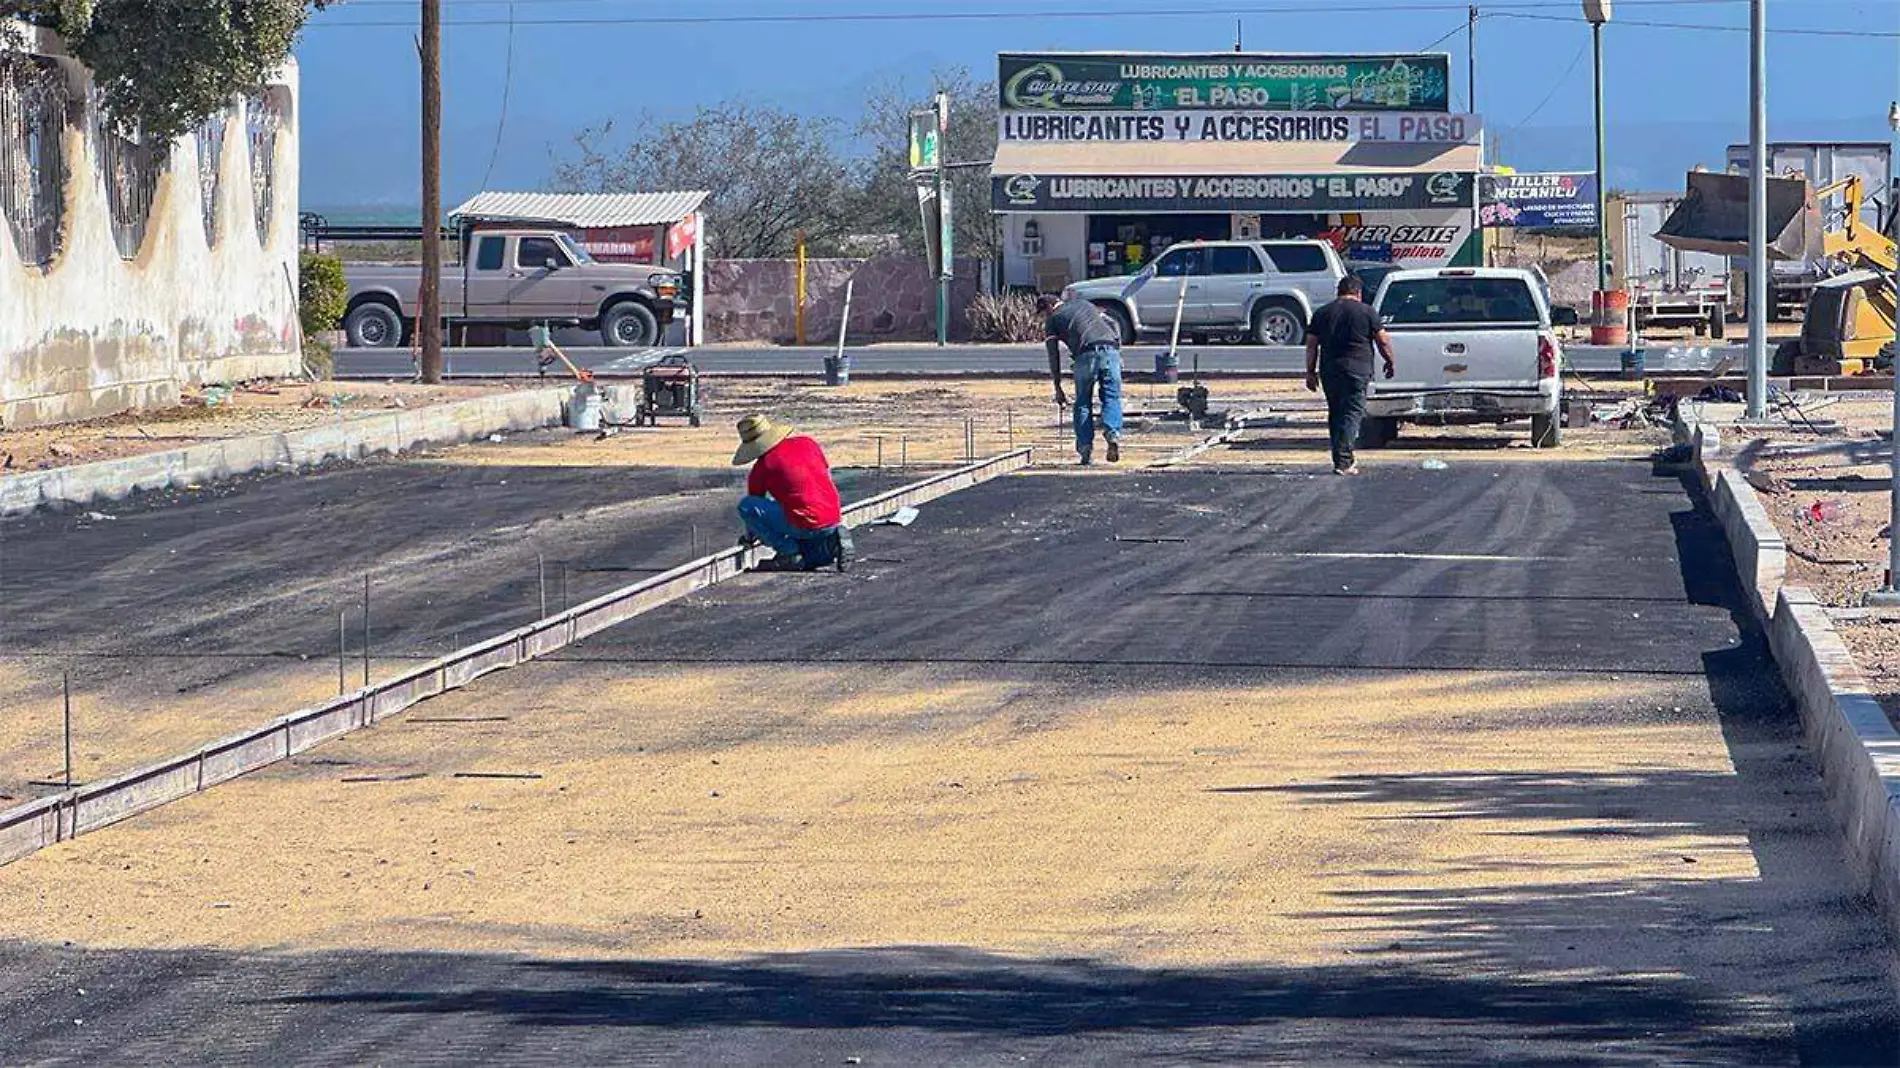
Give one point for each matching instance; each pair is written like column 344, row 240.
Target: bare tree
column 889, row 200
column 769, row 173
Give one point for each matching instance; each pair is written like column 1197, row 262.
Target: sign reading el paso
column 1222, row 81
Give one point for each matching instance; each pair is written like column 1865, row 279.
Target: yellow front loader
column 1849, row 319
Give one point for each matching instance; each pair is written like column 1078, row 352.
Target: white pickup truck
column 1470, row 345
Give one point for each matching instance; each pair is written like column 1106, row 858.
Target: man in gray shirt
column 1095, row 342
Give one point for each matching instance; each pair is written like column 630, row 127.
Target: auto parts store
column 1104, row 160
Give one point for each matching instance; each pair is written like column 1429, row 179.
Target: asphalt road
column 929, row 359
column 1527, row 574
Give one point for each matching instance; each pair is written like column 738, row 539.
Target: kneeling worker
column 791, row 504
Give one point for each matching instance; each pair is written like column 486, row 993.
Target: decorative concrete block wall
column 128, row 273
column 894, row 298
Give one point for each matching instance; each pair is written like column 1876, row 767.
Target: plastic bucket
column 1609, row 320
column 1632, row 363
column 837, row 370
column 583, row 412
column 1167, row 367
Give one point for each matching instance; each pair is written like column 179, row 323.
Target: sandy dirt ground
column 1148, row 816
column 1828, row 494
column 255, row 408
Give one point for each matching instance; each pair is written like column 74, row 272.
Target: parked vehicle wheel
column 1718, row 323
column 1120, row 317
column 1278, row 322
column 1377, row 433
column 1782, row 362
column 1547, row 431
column 628, row 325
column 373, row 326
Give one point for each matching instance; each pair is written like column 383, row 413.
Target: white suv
column 1265, row 289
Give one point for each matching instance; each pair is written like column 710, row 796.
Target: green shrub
column 322, row 297
column 322, row 294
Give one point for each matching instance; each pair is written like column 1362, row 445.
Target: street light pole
column 1598, row 12
column 1758, row 280
column 1889, row 594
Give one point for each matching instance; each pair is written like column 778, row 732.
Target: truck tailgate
column 1482, row 358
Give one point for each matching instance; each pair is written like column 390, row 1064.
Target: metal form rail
column 29, row 827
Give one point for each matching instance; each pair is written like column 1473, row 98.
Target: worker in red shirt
column 791, row 504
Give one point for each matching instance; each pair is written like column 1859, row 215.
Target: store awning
column 1232, row 158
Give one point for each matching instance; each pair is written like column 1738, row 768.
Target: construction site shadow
column 1416, row 1012
column 1826, row 948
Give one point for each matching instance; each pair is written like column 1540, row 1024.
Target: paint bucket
column 583, row 412
column 1609, row 321
column 1167, row 367
column 1633, row 363
column 837, row 370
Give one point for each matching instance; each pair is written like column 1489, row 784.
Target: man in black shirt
column 1095, row 343
column 1339, row 347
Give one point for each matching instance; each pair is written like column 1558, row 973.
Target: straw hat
column 757, row 435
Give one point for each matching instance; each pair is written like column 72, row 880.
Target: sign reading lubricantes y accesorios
column 1222, row 81
column 1235, row 126
column 1309, row 193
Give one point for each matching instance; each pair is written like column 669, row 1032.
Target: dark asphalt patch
column 1558, row 567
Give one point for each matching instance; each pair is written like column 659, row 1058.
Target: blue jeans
column 765, row 520
column 1097, row 369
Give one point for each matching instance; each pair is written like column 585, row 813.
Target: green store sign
column 1228, row 81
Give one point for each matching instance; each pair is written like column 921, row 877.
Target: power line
column 1778, row 31
column 507, row 87
column 1548, row 97
column 1503, row 8
column 1455, row 31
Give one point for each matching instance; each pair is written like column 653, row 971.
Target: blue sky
column 1675, row 97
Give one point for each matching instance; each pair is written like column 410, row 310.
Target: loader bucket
column 1713, row 217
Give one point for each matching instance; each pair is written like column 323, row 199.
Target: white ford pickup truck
column 1470, row 345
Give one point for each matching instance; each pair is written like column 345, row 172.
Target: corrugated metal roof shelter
column 586, row 211
column 639, row 228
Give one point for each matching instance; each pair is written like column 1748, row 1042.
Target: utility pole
column 429, row 303
column 946, row 225
column 1471, row 61
column 1758, row 280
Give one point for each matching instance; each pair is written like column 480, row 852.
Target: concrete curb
column 1857, row 747
column 349, row 439
column 27, row 828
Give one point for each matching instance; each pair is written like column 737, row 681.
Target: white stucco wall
column 93, row 333
column 1064, row 236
